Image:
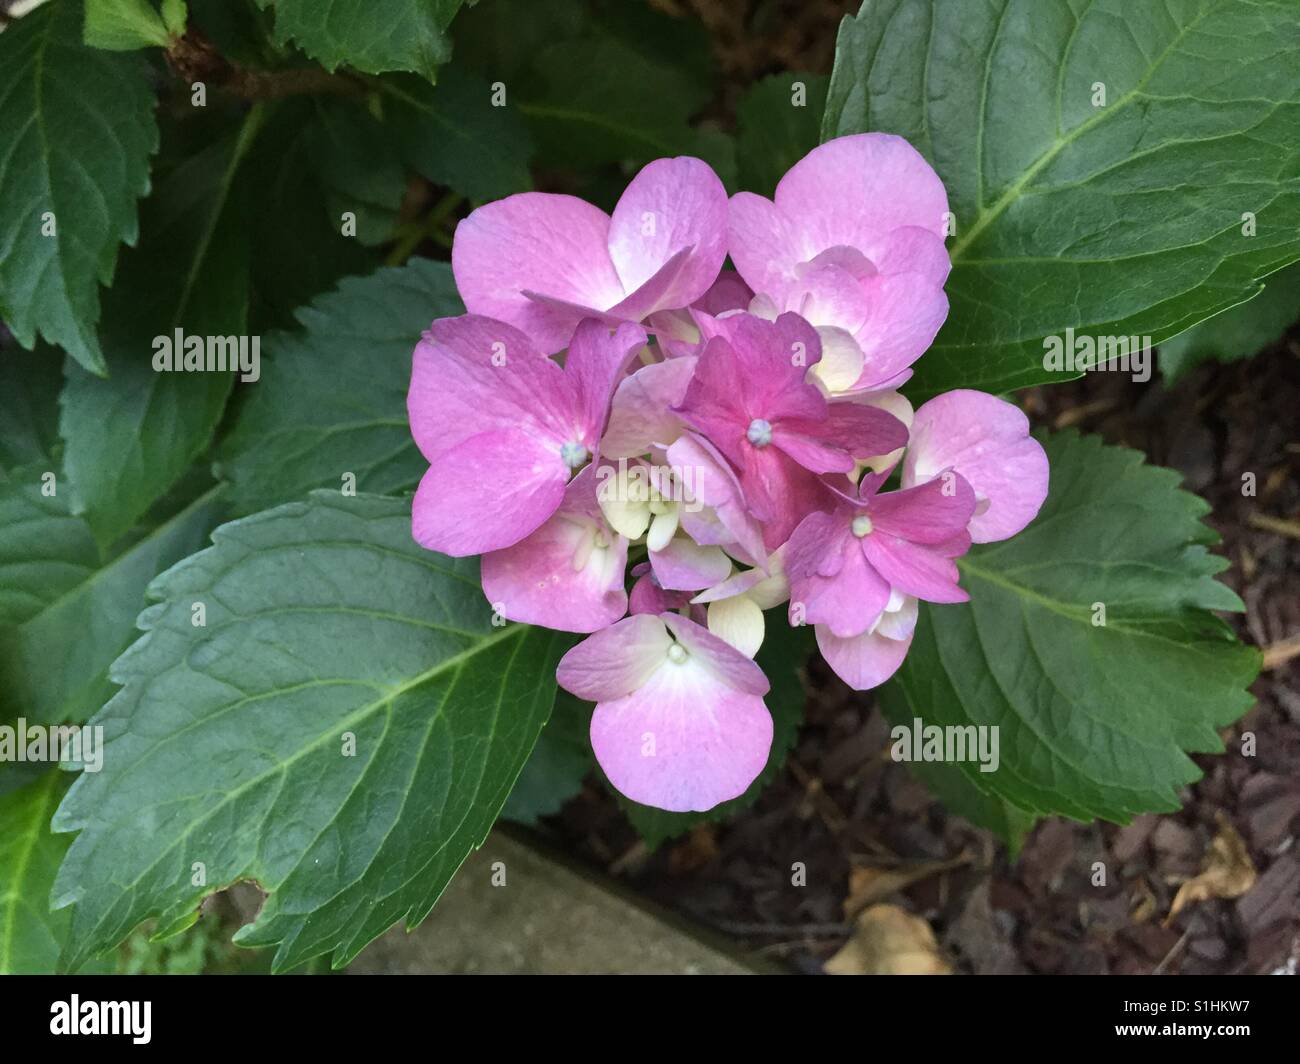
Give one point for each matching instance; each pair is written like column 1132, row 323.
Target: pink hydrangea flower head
column 751, row 398
column 843, row 564
column 542, row 262
column 504, row 427
column 987, row 441
column 568, row 574
column 680, row 722
column 853, row 240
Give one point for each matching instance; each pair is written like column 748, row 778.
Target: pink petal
column 712, row 483
column 906, row 311
column 913, row 569
column 670, row 206
column 848, row 603
column 487, row 493
column 987, row 441
column 765, row 245
column 596, row 361
column 684, row 565
column 616, row 660
column 718, row 656
column 728, row 292
column 931, row 513
column 856, row 190
column 472, row 374
column 862, row 661
column 641, row 416
column 912, row 249
column 538, row 241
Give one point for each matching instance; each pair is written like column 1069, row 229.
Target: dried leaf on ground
column 888, row 940
column 1227, row 872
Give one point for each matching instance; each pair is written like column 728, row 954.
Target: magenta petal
column 670, row 206
column 862, row 661
column 546, row 243
column 616, row 660
column 596, row 361
column 930, row 513
column 488, row 493
column 684, row 741
column 913, row 569
column 987, row 441
column 728, row 292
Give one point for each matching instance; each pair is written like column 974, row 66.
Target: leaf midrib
column 28, row 848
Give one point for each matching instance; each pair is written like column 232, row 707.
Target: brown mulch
column 848, row 812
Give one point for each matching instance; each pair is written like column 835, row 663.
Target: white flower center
column 677, row 654
column 759, row 432
column 861, row 525
column 573, row 454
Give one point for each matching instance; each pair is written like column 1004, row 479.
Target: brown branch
column 194, row 58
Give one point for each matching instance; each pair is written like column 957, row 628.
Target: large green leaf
column 229, row 742
column 91, row 619
column 76, row 132
column 31, row 937
column 370, row 35
column 1123, row 219
column 454, row 135
column 131, row 437
column 784, row 654
column 1095, row 719
column 332, row 399
column 124, row 25
column 30, row 382
column 1239, row 332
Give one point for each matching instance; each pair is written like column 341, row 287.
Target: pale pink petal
column 764, row 244
column 906, row 311
column 987, row 441
column 541, row 242
column 641, row 416
column 487, row 493
column 862, row 661
column 684, row 741
column 848, row 603
column 855, row 191
column 718, row 656
column 596, row 361
column 672, row 205
column 710, row 482
column 616, row 660
column 684, row 565
column 911, row 249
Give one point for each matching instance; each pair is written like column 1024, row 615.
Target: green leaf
column 231, row 743
column 1095, row 719
column 1123, row 219
column 784, row 653
column 370, row 35
column 780, row 122
column 124, row 25
column 1239, row 332
column 131, row 437
column 358, row 167
column 175, row 14
column 44, row 549
column 332, row 399
column 559, row 763
column 453, row 135
column 30, row 935
column 75, row 160
column 92, row 619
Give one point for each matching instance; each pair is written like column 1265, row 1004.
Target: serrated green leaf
column 370, row 35
column 1121, row 219
column 129, row 438
column 357, row 164
column 1096, row 719
column 54, row 661
column 175, row 14
column 332, row 399
column 75, row 160
column 454, row 135
column 780, row 121
column 124, row 25
column 1240, row 331
column 783, row 655
column 229, row 742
